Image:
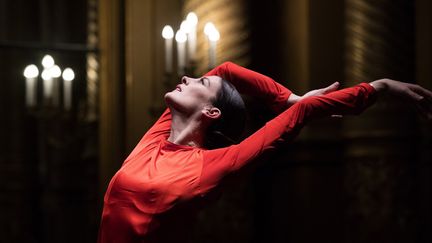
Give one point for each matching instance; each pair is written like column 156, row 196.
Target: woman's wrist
column 292, row 99
column 379, row 85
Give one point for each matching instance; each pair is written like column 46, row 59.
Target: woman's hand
column 295, row 98
column 419, row 96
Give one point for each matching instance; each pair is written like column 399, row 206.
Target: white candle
column 181, row 45
column 47, row 81
column 168, row 34
column 55, row 73
column 212, row 36
column 192, row 20
column 47, row 84
column 68, row 76
column 212, row 53
column 30, row 73
column 185, row 28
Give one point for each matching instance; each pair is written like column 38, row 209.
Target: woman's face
column 193, row 94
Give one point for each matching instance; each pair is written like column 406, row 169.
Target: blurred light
column 31, row 71
column 91, row 60
column 214, row 35
column 180, row 36
column 68, row 74
column 192, row 18
column 55, row 71
column 46, row 75
column 92, row 74
column 208, row 28
column 167, row 32
column 47, row 61
column 185, row 26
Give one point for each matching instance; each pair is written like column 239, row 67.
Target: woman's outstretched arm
column 283, row 128
column 288, row 124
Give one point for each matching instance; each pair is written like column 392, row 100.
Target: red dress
column 152, row 198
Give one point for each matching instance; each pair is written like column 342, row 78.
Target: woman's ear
column 211, row 112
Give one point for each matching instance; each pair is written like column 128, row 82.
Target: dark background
column 362, row 179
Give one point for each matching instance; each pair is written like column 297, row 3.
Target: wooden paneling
column 111, row 128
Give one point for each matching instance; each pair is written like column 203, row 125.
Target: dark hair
column 228, row 128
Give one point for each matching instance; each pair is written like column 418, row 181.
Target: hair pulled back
column 227, row 129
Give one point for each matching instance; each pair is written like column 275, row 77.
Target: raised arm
column 283, row 128
column 254, row 84
column 258, row 85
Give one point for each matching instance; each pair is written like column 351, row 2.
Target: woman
column 154, row 195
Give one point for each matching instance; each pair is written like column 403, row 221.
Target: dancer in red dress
column 166, row 178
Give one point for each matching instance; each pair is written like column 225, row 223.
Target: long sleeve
column 254, row 84
column 284, row 127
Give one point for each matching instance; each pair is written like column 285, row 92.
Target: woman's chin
column 169, row 97
column 170, row 100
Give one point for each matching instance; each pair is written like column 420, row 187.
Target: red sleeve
column 255, row 84
column 217, row 163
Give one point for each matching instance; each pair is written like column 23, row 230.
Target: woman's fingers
column 413, row 95
column 332, row 87
column 422, row 91
column 419, row 96
column 426, row 106
column 422, row 99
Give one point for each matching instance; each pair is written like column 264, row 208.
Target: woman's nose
column 184, row 80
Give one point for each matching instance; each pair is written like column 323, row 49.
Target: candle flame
column 192, row 18
column 181, row 36
column 68, row 74
column 167, row 32
column 31, row 71
column 47, row 61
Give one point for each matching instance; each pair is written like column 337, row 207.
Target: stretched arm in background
column 288, row 124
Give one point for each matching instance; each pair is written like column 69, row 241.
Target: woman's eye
column 202, row 80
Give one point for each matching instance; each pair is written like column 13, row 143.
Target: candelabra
column 50, row 116
column 51, row 85
column 186, row 47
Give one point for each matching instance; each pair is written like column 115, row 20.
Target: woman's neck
column 186, row 130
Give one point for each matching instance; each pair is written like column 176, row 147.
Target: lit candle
column 213, row 36
column 55, row 73
column 47, row 84
column 68, row 75
column 47, row 63
column 181, row 45
column 30, row 73
column 192, row 20
column 168, row 34
column 185, row 28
